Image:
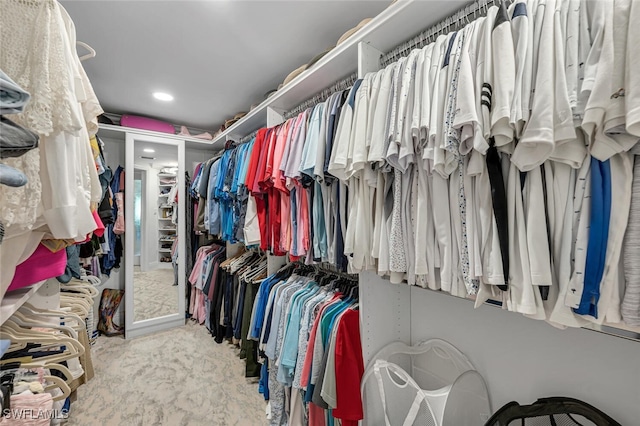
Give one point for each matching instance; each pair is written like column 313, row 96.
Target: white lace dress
column 63, row 181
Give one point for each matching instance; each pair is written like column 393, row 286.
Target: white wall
column 195, row 156
column 113, row 152
column 520, row 359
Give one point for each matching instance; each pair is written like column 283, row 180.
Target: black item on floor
column 556, row 411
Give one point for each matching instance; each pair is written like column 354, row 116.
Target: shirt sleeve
column 349, row 367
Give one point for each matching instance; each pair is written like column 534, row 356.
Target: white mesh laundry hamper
column 432, row 383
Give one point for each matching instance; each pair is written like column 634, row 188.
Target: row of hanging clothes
column 297, row 330
column 261, row 194
column 496, row 161
column 305, row 325
column 221, row 291
column 46, row 355
column 103, row 251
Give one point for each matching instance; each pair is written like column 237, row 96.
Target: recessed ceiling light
column 149, row 150
column 161, row 96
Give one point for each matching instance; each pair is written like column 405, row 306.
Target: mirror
column 154, row 291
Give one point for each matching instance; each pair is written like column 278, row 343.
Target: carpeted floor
column 154, row 294
column 174, row 378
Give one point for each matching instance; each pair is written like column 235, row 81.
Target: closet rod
column 248, row 137
column 322, row 96
column 454, row 22
column 333, row 269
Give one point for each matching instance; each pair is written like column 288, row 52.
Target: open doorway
column 139, row 201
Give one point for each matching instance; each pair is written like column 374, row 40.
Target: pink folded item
column 145, row 123
column 99, row 231
column 41, row 265
column 185, row 132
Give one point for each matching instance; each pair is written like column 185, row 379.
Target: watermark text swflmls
column 34, row 414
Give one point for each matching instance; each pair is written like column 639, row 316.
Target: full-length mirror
column 154, row 286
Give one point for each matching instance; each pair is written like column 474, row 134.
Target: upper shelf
column 12, row 300
column 118, row 132
column 399, row 22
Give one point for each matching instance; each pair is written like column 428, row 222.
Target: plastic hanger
column 91, row 54
column 73, row 348
column 57, row 382
column 24, row 321
column 67, row 317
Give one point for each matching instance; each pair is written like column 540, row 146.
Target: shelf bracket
column 275, row 116
column 368, row 59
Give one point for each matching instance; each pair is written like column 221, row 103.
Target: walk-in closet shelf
column 400, row 21
column 43, row 295
column 13, row 300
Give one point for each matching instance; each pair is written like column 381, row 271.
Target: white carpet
column 176, row 377
column 154, row 294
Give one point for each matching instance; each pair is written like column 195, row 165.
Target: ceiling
column 163, row 155
column 216, row 57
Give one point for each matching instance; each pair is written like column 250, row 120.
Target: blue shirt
column 598, row 237
column 214, row 206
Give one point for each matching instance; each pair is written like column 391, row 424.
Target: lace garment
column 36, row 56
column 19, row 205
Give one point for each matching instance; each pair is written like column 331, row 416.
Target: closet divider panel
column 385, row 313
column 368, row 59
column 13, row 300
column 47, row 296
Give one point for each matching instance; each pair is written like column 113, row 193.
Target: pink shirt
column 285, row 222
column 292, row 166
column 308, row 358
column 41, row 265
column 290, row 140
column 303, row 219
column 278, row 153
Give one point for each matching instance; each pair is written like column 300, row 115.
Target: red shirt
column 255, row 159
column 349, row 369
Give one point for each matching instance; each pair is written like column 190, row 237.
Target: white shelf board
column 166, row 184
column 399, row 22
column 166, row 175
column 164, row 218
column 118, row 132
column 167, row 229
column 619, row 330
column 13, row 300
column 164, row 251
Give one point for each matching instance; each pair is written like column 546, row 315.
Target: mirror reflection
column 155, row 205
